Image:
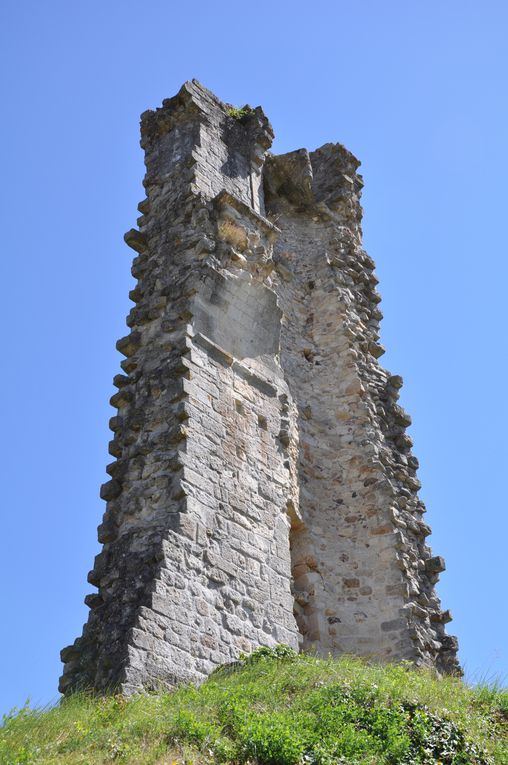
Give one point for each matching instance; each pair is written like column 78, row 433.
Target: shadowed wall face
column 263, row 488
column 241, row 317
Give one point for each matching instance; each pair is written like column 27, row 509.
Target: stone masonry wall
column 364, row 577
column 263, row 488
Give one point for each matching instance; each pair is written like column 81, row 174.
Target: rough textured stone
column 263, row 489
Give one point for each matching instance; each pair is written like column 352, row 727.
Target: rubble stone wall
column 263, row 488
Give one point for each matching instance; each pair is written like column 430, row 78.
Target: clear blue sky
column 417, row 90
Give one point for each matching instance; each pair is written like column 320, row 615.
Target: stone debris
column 263, row 490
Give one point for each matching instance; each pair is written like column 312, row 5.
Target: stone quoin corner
column 263, row 489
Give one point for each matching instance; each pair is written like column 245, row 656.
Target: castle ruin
column 263, row 489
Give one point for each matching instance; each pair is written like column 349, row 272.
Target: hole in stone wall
column 239, row 407
column 303, row 574
column 262, row 422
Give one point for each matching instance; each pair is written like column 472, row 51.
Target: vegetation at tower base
column 274, row 708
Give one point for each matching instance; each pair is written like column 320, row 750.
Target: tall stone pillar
column 263, row 489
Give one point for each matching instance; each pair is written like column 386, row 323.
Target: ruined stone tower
column 263, row 489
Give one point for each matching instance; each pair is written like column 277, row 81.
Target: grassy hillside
column 274, row 709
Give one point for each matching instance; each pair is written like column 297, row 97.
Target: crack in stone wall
column 263, row 488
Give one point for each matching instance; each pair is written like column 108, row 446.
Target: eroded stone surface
column 263, row 488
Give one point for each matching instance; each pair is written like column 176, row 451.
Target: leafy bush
column 280, row 651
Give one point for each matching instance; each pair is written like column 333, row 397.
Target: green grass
column 274, row 709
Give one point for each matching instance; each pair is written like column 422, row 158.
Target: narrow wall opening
column 304, row 576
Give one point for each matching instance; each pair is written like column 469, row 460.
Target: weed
column 239, row 113
column 233, row 234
